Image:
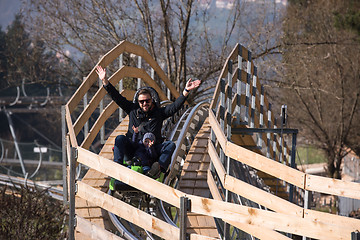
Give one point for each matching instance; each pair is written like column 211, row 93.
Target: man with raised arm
column 147, row 117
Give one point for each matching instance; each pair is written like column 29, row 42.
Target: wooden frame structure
column 246, row 107
column 247, row 110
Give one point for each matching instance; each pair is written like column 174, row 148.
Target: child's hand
column 151, row 143
column 136, row 129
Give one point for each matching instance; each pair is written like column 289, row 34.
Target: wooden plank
column 332, row 186
column 261, row 197
column 220, row 136
column 266, row 219
column 265, row 164
column 84, row 212
column 81, row 90
column 89, row 109
column 140, row 51
column 332, row 219
column 130, row 177
column 128, row 212
column 200, row 237
column 216, row 162
column 93, row 231
column 233, row 212
column 93, row 105
column 223, row 73
column 98, row 222
column 108, row 111
column 259, row 232
column 70, row 127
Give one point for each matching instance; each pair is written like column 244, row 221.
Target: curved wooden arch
column 124, row 71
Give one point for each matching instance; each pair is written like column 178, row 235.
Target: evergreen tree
column 26, row 59
column 3, row 60
column 348, row 17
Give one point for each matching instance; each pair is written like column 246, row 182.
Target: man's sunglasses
column 145, row 100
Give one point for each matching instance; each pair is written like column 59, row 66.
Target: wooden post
column 247, row 96
column 307, row 202
column 139, row 79
column 238, row 87
column 355, row 235
column 64, row 157
column 292, row 164
column 268, row 135
column 85, row 101
column 185, row 206
column 121, row 63
column 228, row 134
column 253, row 99
column 72, row 223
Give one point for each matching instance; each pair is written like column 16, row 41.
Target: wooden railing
column 257, row 222
column 240, row 103
column 123, row 71
column 287, row 217
column 244, row 102
column 244, row 106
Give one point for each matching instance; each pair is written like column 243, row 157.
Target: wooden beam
column 216, row 162
column 262, row 197
column 259, row 232
column 332, row 219
column 70, row 127
column 92, row 231
column 250, row 192
column 82, row 89
column 108, row 111
column 267, row 219
column 265, row 164
column 131, row 214
column 141, row 51
column 223, row 73
column 110, row 57
column 332, row 186
column 89, row 109
column 128, row 212
column 130, row 177
column 217, row 130
column 218, row 209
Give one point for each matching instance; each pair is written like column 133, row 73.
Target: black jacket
column 147, row 155
column 147, row 122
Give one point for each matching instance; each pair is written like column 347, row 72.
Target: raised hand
column 102, row 74
column 192, row 84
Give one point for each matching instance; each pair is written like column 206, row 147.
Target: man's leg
column 122, row 147
column 166, row 150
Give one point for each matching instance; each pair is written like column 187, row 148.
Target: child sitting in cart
column 145, row 160
column 145, row 156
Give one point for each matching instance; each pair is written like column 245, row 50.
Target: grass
column 309, row 155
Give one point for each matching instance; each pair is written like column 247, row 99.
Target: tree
column 348, row 16
column 28, row 213
column 321, row 80
column 3, row 61
column 187, row 38
column 27, row 62
column 24, row 58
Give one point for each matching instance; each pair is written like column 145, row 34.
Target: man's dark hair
column 144, row 91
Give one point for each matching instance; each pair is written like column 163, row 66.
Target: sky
column 8, row 9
